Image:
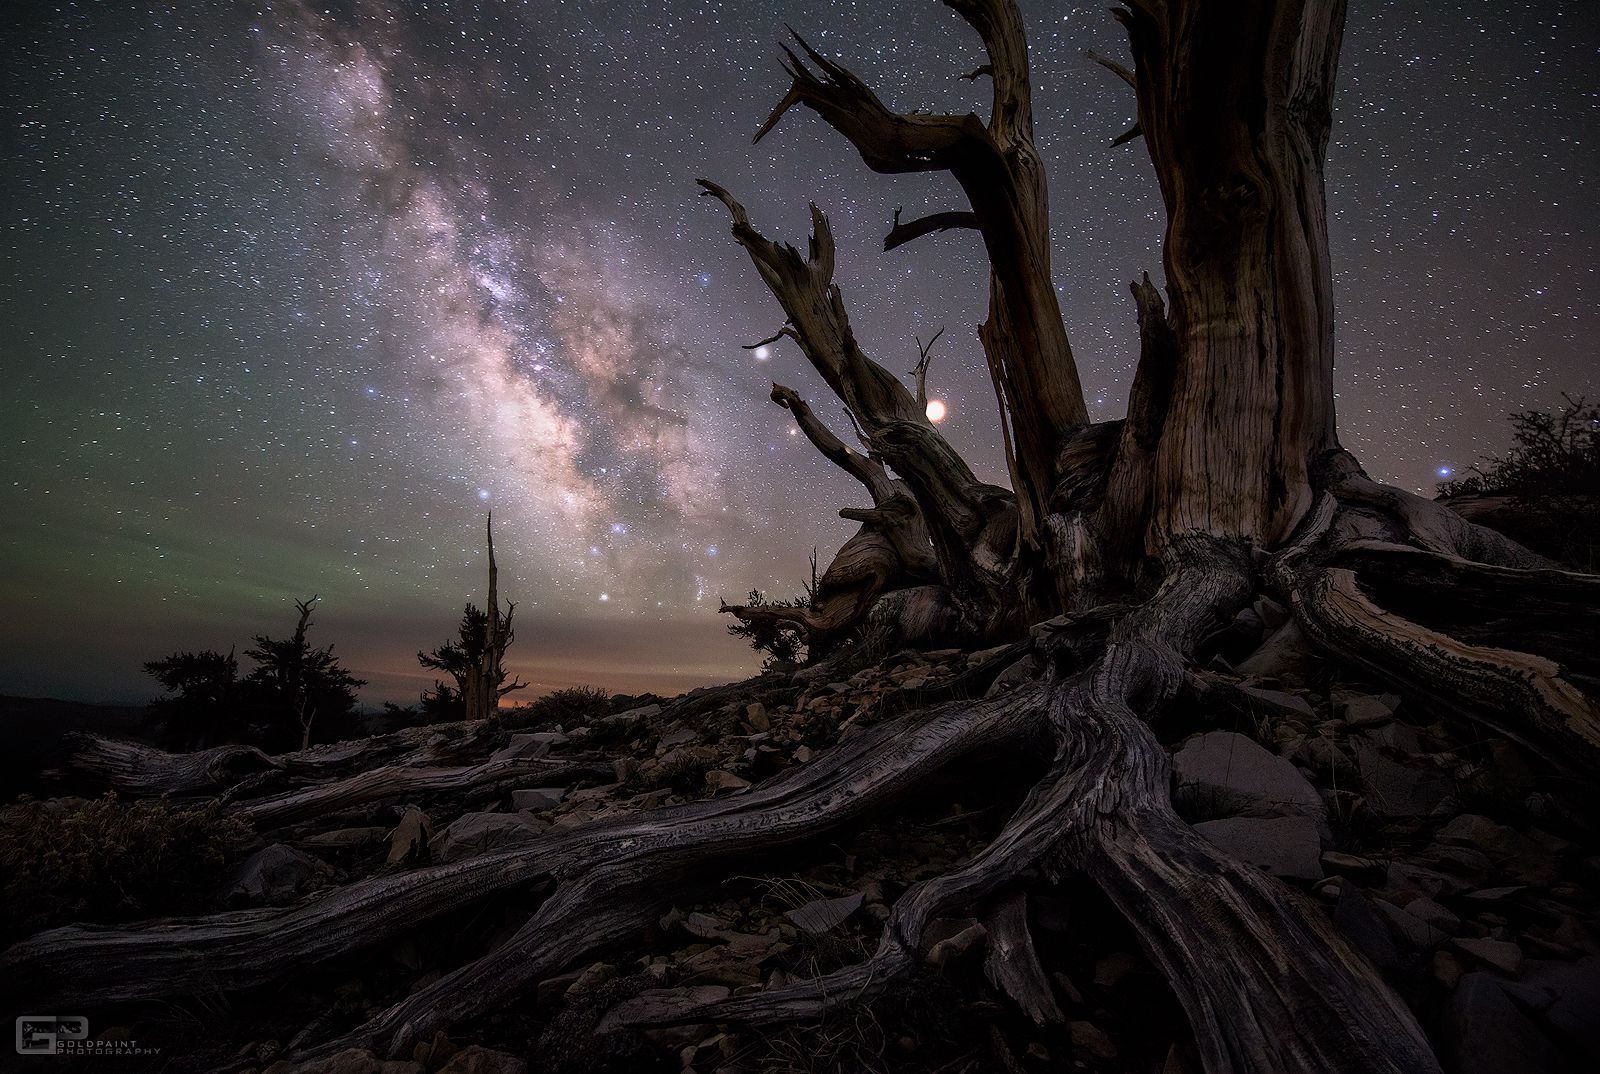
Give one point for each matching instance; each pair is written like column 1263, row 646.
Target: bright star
column 937, row 410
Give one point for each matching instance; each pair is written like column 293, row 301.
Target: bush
column 571, row 706
column 103, row 860
column 1552, row 477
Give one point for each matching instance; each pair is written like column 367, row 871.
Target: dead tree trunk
column 484, row 682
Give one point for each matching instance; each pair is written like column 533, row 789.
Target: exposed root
column 394, row 781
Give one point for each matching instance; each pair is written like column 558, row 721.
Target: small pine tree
column 295, row 687
column 201, row 705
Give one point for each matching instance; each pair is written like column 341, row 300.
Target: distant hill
column 34, row 728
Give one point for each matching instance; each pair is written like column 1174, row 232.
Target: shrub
column 1552, row 475
column 573, row 705
column 103, row 860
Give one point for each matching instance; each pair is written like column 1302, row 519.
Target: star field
column 295, row 293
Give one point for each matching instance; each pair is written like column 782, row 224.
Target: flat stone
column 538, row 799
column 1222, row 774
column 1280, row 700
column 1500, row 954
column 1289, row 847
column 477, row 833
column 822, row 916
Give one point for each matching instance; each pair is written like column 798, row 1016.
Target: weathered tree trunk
column 1234, row 104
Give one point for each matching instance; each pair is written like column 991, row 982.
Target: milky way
column 296, row 294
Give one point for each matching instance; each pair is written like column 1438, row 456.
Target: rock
column 1565, row 998
column 1366, row 710
column 1016, row 673
column 274, row 876
column 1413, row 931
column 593, row 976
column 476, row 1059
column 529, row 746
column 681, row 737
column 1222, row 774
column 341, row 838
column 1092, row 1041
column 1114, row 968
column 1280, row 701
column 1500, row 954
column 1360, row 922
column 1395, row 789
column 824, row 915
column 1431, row 913
column 1284, row 657
column 1284, row 846
column 537, row 799
column 756, row 715
column 476, row 833
column 1405, row 876
column 718, row 780
column 1367, row 871
column 1490, row 1035
column 1521, row 857
column 408, row 841
column 953, row 947
column 1446, row 969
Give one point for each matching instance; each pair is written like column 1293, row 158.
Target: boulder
column 1289, row 847
column 1565, row 998
column 274, row 876
column 1491, row 1035
column 1223, row 774
column 1502, row 955
column 476, row 833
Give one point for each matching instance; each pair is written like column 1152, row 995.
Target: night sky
column 293, row 294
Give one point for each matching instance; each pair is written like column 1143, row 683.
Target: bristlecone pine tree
column 1120, row 548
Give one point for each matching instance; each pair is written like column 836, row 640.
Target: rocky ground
column 1455, row 862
